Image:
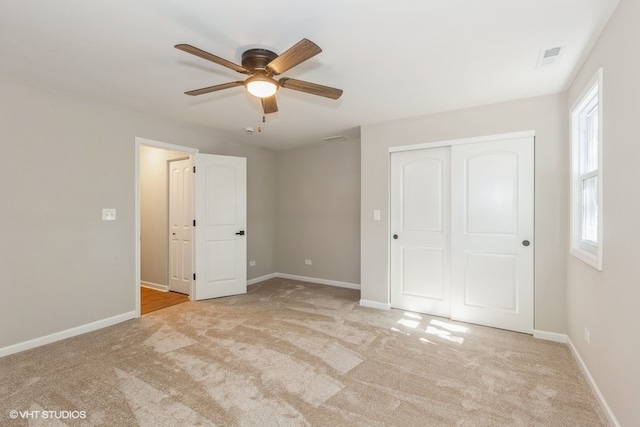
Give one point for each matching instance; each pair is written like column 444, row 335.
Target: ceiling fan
column 262, row 65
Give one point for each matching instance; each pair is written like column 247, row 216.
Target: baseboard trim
column 550, row 336
column 68, row 333
column 375, row 304
column 319, row 281
column 594, row 387
column 155, row 286
column 261, row 279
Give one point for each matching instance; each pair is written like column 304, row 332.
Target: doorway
column 157, row 266
column 151, row 252
column 462, row 231
column 218, row 197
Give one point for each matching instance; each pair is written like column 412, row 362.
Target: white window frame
column 584, row 249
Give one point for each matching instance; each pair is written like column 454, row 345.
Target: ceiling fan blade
column 312, row 88
column 214, row 88
column 211, row 57
column 269, row 105
column 293, row 56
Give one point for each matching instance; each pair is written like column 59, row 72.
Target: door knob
column 240, row 233
column 395, row 236
column 525, row 243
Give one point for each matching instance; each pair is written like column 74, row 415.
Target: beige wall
column 606, row 302
column 154, row 213
column 547, row 117
column 318, row 211
column 67, row 159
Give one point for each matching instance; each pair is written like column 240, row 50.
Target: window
column 586, row 174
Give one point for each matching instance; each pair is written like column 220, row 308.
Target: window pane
column 590, row 209
column 592, row 141
column 589, row 138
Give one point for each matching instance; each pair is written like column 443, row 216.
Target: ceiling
column 392, row 59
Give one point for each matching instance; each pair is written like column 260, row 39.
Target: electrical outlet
column 307, row 262
column 252, row 263
column 108, row 214
column 586, row 334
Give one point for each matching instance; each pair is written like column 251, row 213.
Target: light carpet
column 290, row 353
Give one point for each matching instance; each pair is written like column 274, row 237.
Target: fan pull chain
column 264, row 120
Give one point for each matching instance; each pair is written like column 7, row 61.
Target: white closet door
column 492, row 191
column 420, row 217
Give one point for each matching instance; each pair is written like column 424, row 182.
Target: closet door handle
column 240, row 233
column 395, row 236
column 525, row 243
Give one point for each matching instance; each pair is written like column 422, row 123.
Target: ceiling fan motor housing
column 257, row 58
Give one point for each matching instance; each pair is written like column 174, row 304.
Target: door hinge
column 194, row 169
column 194, row 276
column 194, row 222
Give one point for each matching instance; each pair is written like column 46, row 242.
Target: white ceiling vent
column 333, row 138
column 549, row 56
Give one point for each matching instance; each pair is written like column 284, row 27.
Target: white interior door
column 180, row 223
column 420, row 217
column 221, row 212
column 492, row 190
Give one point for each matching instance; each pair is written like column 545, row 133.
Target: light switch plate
column 376, row 215
column 108, row 214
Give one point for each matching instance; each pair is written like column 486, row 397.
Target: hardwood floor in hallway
column 152, row 300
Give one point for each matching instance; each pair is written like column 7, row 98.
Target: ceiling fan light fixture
column 261, row 86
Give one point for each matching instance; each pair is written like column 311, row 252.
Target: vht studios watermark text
column 59, row 415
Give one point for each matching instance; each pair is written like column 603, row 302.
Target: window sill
column 591, row 259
